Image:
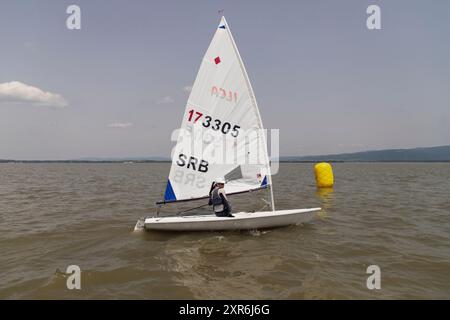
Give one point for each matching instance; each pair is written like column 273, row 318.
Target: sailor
column 218, row 199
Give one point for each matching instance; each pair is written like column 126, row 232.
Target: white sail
column 221, row 134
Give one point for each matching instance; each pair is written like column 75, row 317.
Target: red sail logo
column 228, row 95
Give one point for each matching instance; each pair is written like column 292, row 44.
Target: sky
column 118, row 87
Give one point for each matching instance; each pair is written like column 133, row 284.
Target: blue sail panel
column 264, row 182
column 169, row 195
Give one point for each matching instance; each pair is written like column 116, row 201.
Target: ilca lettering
column 228, row 95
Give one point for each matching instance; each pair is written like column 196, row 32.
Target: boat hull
column 240, row 221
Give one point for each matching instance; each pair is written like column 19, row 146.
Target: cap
column 220, row 180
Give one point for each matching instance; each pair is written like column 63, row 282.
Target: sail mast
column 255, row 104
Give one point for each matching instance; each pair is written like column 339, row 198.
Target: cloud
column 16, row 91
column 121, row 125
column 187, row 88
column 165, row 100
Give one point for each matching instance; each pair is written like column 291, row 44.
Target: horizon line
column 165, row 158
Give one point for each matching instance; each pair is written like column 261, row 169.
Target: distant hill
column 432, row 154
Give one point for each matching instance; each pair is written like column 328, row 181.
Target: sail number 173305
column 215, row 124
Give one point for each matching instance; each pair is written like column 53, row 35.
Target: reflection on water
column 392, row 215
column 325, row 195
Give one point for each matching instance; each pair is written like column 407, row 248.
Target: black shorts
column 224, row 213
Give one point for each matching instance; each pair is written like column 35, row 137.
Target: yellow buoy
column 324, row 175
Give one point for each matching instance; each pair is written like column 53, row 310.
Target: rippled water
column 396, row 216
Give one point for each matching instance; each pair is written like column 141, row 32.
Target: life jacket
column 216, row 200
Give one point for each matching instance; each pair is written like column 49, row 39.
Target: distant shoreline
column 85, row 161
column 440, row 154
column 168, row 161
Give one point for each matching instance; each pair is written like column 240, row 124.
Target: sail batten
column 221, row 134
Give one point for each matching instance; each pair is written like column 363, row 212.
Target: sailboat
column 222, row 135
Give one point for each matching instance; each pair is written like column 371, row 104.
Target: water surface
column 394, row 215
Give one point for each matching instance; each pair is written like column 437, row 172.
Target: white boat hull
column 240, row 221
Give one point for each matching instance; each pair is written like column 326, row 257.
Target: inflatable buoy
column 324, row 175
